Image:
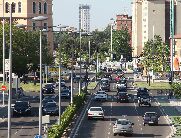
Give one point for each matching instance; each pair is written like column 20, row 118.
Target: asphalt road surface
column 103, row 128
column 28, row 126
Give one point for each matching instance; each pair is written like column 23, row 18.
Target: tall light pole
column 10, row 74
column 111, row 38
column 172, row 36
column 80, row 55
column 59, row 85
column 3, row 51
column 40, row 18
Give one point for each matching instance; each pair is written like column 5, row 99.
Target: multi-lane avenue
column 103, row 128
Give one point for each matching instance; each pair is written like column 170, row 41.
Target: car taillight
column 90, row 114
column 100, row 113
column 115, row 126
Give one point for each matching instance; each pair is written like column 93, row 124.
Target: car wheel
column 144, row 124
column 114, row 134
column 89, row 118
column 156, row 123
column 139, row 105
column 149, row 105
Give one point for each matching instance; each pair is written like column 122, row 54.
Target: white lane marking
column 140, row 124
column 141, row 129
column 138, row 120
column 110, row 124
column 109, row 133
column 111, row 105
column 81, row 119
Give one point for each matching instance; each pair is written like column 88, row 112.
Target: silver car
column 123, row 126
column 95, row 112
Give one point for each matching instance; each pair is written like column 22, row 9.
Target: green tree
column 121, row 44
column 156, row 55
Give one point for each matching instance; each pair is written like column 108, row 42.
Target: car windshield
column 65, row 91
column 123, row 122
column 100, row 92
column 21, row 104
column 48, row 85
column 150, row 114
column 49, row 105
column 95, row 109
column 122, row 94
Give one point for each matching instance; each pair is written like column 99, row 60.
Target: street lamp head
column 40, row 18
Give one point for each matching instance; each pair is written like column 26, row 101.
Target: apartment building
column 152, row 17
column 123, row 21
column 84, row 18
column 25, row 10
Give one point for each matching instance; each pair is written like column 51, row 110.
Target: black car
column 142, row 91
column 50, row 108
column 21, row 108
column 45, row 101
column 48, row 89
column 122, row 97
column 150, row 118
column 65, row 93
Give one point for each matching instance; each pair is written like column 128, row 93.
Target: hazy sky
column 66, row 12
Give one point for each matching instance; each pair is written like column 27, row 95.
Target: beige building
column 152, row 17
column 25, row 10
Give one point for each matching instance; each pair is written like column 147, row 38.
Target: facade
column 25, row 10
column 123, row 21
column 177, row 57
column 152, row 17
column 84, row 18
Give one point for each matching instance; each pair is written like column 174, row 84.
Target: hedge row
column 176, row 89
column 56, row 131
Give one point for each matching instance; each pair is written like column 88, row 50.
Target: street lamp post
column 80, row 80
column 40, row 18
column 10, row 75
column 59, row 85
column 3, row 51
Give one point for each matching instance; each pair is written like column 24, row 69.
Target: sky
column 65, row 12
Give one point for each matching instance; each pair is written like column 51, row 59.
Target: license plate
column 150, row 121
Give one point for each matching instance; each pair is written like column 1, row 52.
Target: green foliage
column 156, row 55
column 176, row 87
column 25, row 51
column 56, row 131
column 121, row 46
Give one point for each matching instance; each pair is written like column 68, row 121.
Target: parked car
column 50, row 108
column 123, row 126
column 150, row 118
column 48, row 89
column 65, row 93
column 21, row 108
column 95, row 112
column 122, row 97
column 100, row 95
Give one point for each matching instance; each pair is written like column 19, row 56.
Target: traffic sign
column 38, row 136
column 6, row 65
column 3, row 87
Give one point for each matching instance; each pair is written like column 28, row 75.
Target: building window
column 34, row 7
column 39, row 7
column 34, row 25
column 45, row 8
column 45, row 26
column 19, row 7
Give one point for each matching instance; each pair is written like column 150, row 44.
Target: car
column 123, row 126
column 76, row 79
column 45, row 101
column 105, row 86
column 122, row 97
column 142, row 91
column 109, row 76
column 150, row 118
column 65, row 93
column 121, row 83
column 50, row 108
column 100, row 95
column 21, row 108
column 144, row 99
column 95, row 112
column 62, row 82
column 48, row 89
column 105, row 80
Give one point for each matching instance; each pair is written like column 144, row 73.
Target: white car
column 95, row 112
column 100, row 95
column 123, row 126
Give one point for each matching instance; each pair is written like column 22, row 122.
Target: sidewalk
column 171, row 110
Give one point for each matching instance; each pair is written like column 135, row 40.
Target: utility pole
column 172, row 36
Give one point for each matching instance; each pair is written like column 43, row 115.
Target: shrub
column 56, row 131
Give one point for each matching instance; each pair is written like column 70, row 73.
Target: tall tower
column 84, row 18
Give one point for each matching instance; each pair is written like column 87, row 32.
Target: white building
column 84, row 18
